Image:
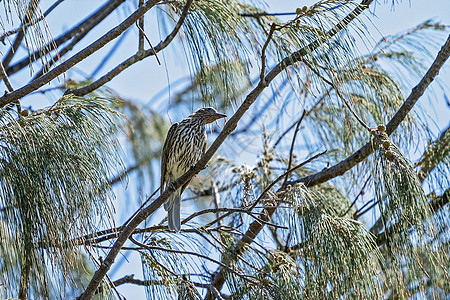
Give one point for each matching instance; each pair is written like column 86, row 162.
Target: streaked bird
column 184, row 146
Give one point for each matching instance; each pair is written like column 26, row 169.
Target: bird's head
column 208, row 114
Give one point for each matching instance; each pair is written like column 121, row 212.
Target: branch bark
column 256, row 226
column 84, row 30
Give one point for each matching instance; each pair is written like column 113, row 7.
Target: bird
column 184, row 146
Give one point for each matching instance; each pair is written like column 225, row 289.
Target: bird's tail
column 172, row 206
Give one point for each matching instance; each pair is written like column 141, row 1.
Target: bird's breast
column 188, row 147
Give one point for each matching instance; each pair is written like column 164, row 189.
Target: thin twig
column 359, row 155
column 141, row 31
column 263, row 54
column 28, row 24
column 132, row 280
column 361, row 192
column 106, row 58
column 338, row 92
column 5, row 78
column 291, row 152
column 367, row 149
column 295, row 122
column 216, row 197
column 76, row 39
column 267, row 189
column 265, row 14
column 361, row 212
column 229, row 127
column 152, row 248
column 9, row 86
column 124, row 173
column 140, row 26
column 31, row 10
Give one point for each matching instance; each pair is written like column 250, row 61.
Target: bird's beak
column 220, row 116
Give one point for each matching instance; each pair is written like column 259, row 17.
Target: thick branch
column 367, row 149
column 255, row 227
column 86, row 52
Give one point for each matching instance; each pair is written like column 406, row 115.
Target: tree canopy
column 328, row 179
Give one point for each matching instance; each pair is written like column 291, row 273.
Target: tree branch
column 263, row 52
column 151, row 248
column 355, row 158
column 140, row 26
column 229, row 127
column 133, row 59
column 77, row 38
column 4, row 77
column 101, row 13
column 366, row 150
column 86, row 52
column 132, row 280
column 255, row 227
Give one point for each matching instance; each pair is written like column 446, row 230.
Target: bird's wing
column 205, row 144
column 165, row 153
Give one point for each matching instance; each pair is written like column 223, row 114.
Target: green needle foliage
column 159, row 266
column 435, row 161
column 415, row 257
column 209, row 28
column 32, row 27
column 327, row 256
column 54, row 166
column 338, row 256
